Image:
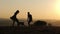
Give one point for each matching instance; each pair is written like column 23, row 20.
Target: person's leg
column 28, row 23
column 17, row 22
column 13, row 23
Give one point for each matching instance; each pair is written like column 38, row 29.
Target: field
column 29, row 30
column 6, row 28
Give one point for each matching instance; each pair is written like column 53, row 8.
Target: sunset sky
column 40, row 9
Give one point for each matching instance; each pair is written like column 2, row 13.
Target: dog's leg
column 18, row 23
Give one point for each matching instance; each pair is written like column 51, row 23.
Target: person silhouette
column 29, row 18
column 14, row 18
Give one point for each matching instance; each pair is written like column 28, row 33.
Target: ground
column 29, row 30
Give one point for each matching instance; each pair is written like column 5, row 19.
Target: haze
column 40, row 9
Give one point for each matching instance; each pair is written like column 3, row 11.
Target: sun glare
column 58, row 7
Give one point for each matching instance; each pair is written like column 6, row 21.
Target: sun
column 57, row 7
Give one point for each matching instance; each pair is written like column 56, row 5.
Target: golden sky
column 40, row 9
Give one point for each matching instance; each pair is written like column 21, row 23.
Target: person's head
column 17, row 11
column 28, row 12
